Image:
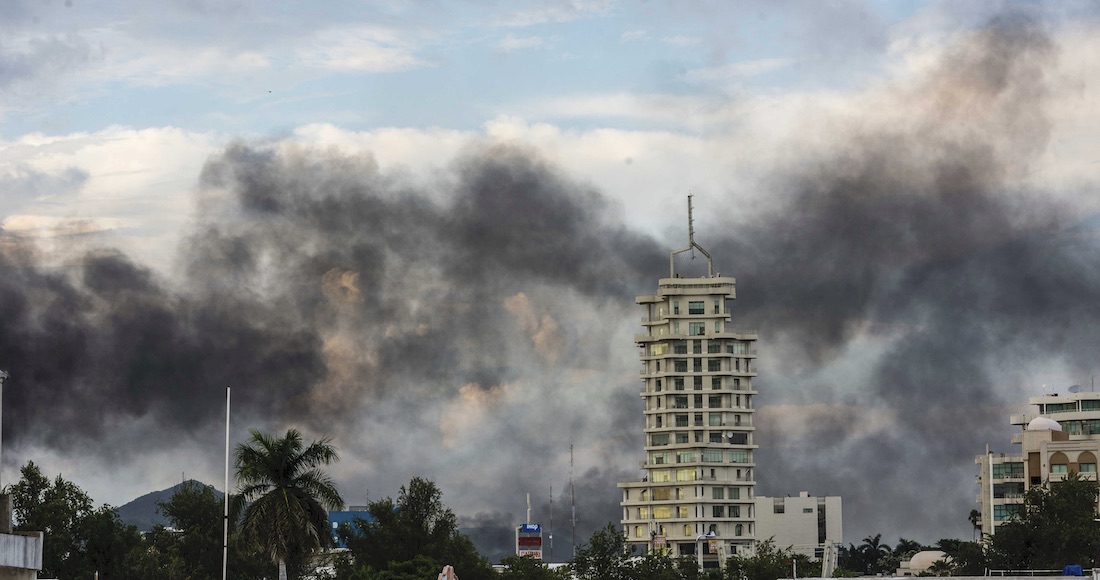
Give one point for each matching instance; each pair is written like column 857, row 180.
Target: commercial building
column 808, row 525
column 697, row 371
column 1063, row 436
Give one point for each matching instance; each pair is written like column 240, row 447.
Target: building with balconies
column 696, row 495
column 1063, row 436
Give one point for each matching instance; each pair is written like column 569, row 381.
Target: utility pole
column 3, row 375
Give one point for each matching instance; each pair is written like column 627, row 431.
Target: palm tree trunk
column 282, row 569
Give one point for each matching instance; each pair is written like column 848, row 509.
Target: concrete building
column 696, row 495
column 809, row 525
column 1063, row 436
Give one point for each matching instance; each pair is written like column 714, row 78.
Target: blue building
column 337, row 519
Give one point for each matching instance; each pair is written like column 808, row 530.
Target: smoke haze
column 472, row 330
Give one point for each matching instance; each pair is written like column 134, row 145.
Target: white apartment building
column 809, row 525
column 696, row 495
column 1064, row 436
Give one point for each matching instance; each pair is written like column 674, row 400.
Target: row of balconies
column 745, row 352
column 664, row 317
column 735, row 333
column 745, row 371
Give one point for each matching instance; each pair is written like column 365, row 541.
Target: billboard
column 529, row 540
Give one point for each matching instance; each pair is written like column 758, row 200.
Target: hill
column 143, row 513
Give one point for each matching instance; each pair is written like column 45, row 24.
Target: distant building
column 697, row 373
column 808, row 525
column 348, row 517
column 1064, row 436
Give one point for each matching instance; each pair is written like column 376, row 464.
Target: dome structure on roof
column 922, row 561
column 1043, row 424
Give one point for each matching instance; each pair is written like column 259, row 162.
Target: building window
column 1087, row 467
column 678, row 383
column 681, row 365
column 1011, row 489
column 698, row 401
column 715, row 419
column 735, row 511
column 717, row 307
column 697, row 347
column 712, row 456
column 661, row 475
column 685, row 457
column 718, row 493
column 714, row 401
column 697, row 382
column 717, row 326
column 679, row 493
column 697, row 328
column 739, row 456
column 698, row 419
column 1004, row 512
column 680, row 402
column 696, row 307
column 697, row 365
column 643, row 513
column 718, row 511
column 807, row 510
column 662, row 512
column 660, row 420
column 658, row 385
column 682, row 512
column 714, row 346
column 680, row 347
column 739, row 530
column 681, row 420
column 716, row 383
column 714, row 365
column 637, row 531
column 661, row 457
column 682, row 438
column 1058, row 468
column 658, row 439
column 715, row 437
column 676, row 307
column 676, row 327
column 685, row 475
column 735, row 493
column 661, row 494
column 740, row 439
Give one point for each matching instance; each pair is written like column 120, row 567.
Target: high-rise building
column 696, row 495
column 1064, row 436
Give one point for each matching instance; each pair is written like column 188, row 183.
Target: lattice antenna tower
column 691, row 247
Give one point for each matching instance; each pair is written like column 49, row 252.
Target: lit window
column 662, row 512
column 661, row 475
column 687, row 529
column 685, row 457
column 643, row 513
column 682, row 512
column 685, row 475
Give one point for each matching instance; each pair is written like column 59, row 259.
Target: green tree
column 417, row 527
column 527, row 568
column 287, row 494
column 80, row 540
column 766, row 563
column 604, row 557
column 964, row 558
column 1054, row 528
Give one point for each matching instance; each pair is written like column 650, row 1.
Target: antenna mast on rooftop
column 691, row 246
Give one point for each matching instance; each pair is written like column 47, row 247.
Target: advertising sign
column 529, row 540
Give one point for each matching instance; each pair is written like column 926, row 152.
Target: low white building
column 807, row 524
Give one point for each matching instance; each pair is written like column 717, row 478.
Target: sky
column 418, row 228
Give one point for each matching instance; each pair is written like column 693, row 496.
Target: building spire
column 691, row 246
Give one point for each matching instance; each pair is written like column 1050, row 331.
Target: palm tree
column 287, row 494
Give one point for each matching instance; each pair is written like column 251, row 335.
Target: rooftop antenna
column 551, row 522
column 692, row 246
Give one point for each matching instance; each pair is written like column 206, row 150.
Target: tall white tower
column 695, row 497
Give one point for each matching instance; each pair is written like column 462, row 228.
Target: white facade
column 697, row 375
column 809, row 525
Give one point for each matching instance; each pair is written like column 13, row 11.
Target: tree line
column 278, row 528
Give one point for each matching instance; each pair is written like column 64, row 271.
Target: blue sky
column 110, row 112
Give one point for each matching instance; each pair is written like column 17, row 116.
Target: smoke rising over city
column 474, row 327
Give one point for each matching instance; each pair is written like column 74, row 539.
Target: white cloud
column 736, row 70
column 553, row 11
column 364, row 49
column 632, row 35
column 512, row 43
column 681, row 40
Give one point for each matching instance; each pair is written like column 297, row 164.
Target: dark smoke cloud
column 472, row 332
